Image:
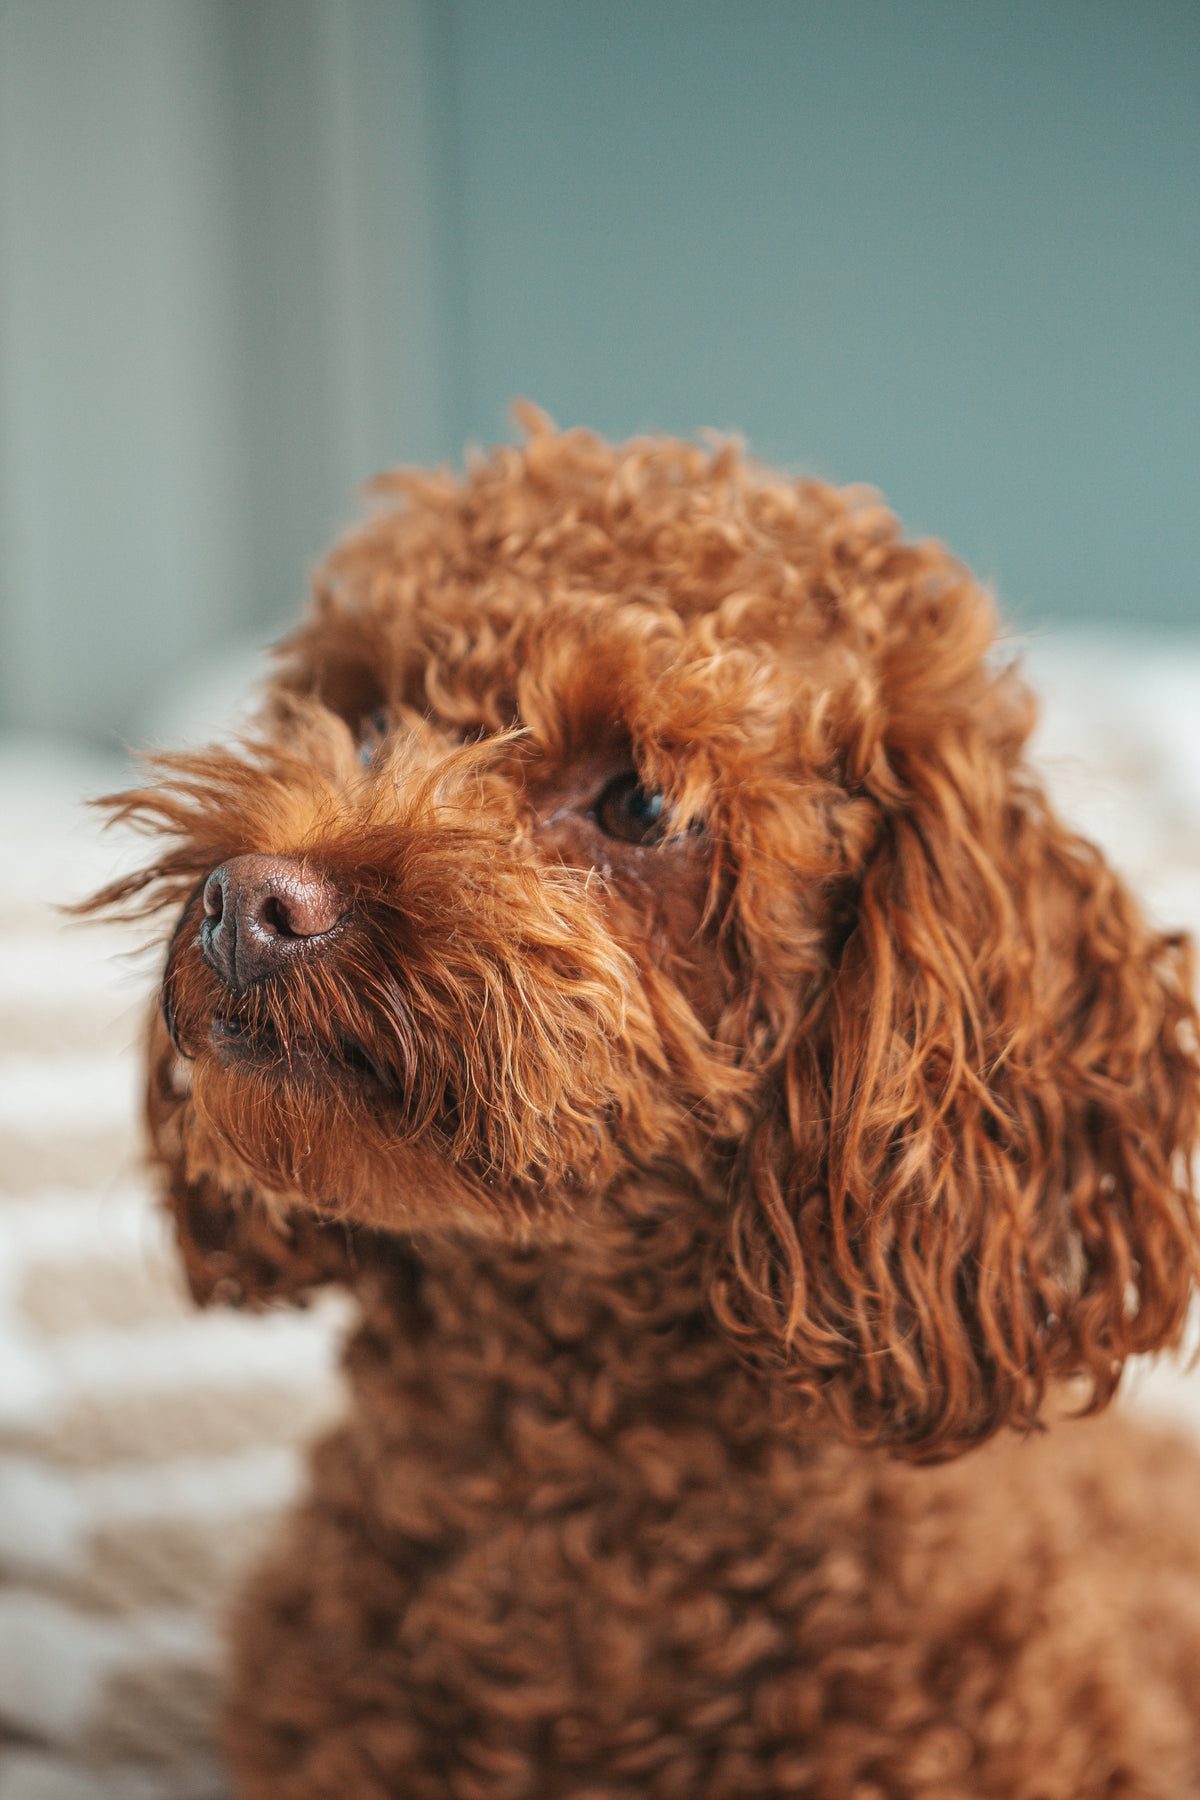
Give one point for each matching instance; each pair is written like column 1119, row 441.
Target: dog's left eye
column 631, row 812
column 371, row 734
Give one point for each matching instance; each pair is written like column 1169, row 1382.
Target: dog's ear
column 239, row 1246
column 972, row 1175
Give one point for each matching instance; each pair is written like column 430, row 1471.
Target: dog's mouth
column 239, row 1045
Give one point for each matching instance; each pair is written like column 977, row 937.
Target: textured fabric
column 145, row 1449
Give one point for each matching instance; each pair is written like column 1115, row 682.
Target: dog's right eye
column 631, row 812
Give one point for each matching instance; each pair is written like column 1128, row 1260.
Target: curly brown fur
column 686, row 1159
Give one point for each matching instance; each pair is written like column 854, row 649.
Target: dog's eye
column 629, row 811
column 371, row 734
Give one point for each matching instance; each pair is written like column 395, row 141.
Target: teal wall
column 221, row 309
column 252, row 250
column 949, row 248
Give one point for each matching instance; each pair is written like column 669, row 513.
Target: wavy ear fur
column 972, row 1175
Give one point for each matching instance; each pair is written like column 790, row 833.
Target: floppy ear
column 239, row 1246
column 972, row 1171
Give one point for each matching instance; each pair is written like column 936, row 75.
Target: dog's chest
column 604, row 1503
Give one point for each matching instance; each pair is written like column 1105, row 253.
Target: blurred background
column 252, row 251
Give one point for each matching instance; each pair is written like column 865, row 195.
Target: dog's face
column 631, row 816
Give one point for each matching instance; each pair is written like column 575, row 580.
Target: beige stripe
column 86, row 1025
column 31, row 1161
column 167, row 1562
column 197, row 1421
column 160, row 1714
column 56, row 1298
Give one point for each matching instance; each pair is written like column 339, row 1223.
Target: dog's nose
column 261, row 910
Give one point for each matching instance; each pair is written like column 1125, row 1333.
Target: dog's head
column 634, row 815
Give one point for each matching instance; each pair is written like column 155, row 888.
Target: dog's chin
column 320, row 1123
column 305, row 1126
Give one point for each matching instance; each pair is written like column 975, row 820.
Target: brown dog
column 635, row 953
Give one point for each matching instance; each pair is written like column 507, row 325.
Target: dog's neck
column 603, row 1325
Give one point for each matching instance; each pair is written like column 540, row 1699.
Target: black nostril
column 273, row 917
column 214, row 895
